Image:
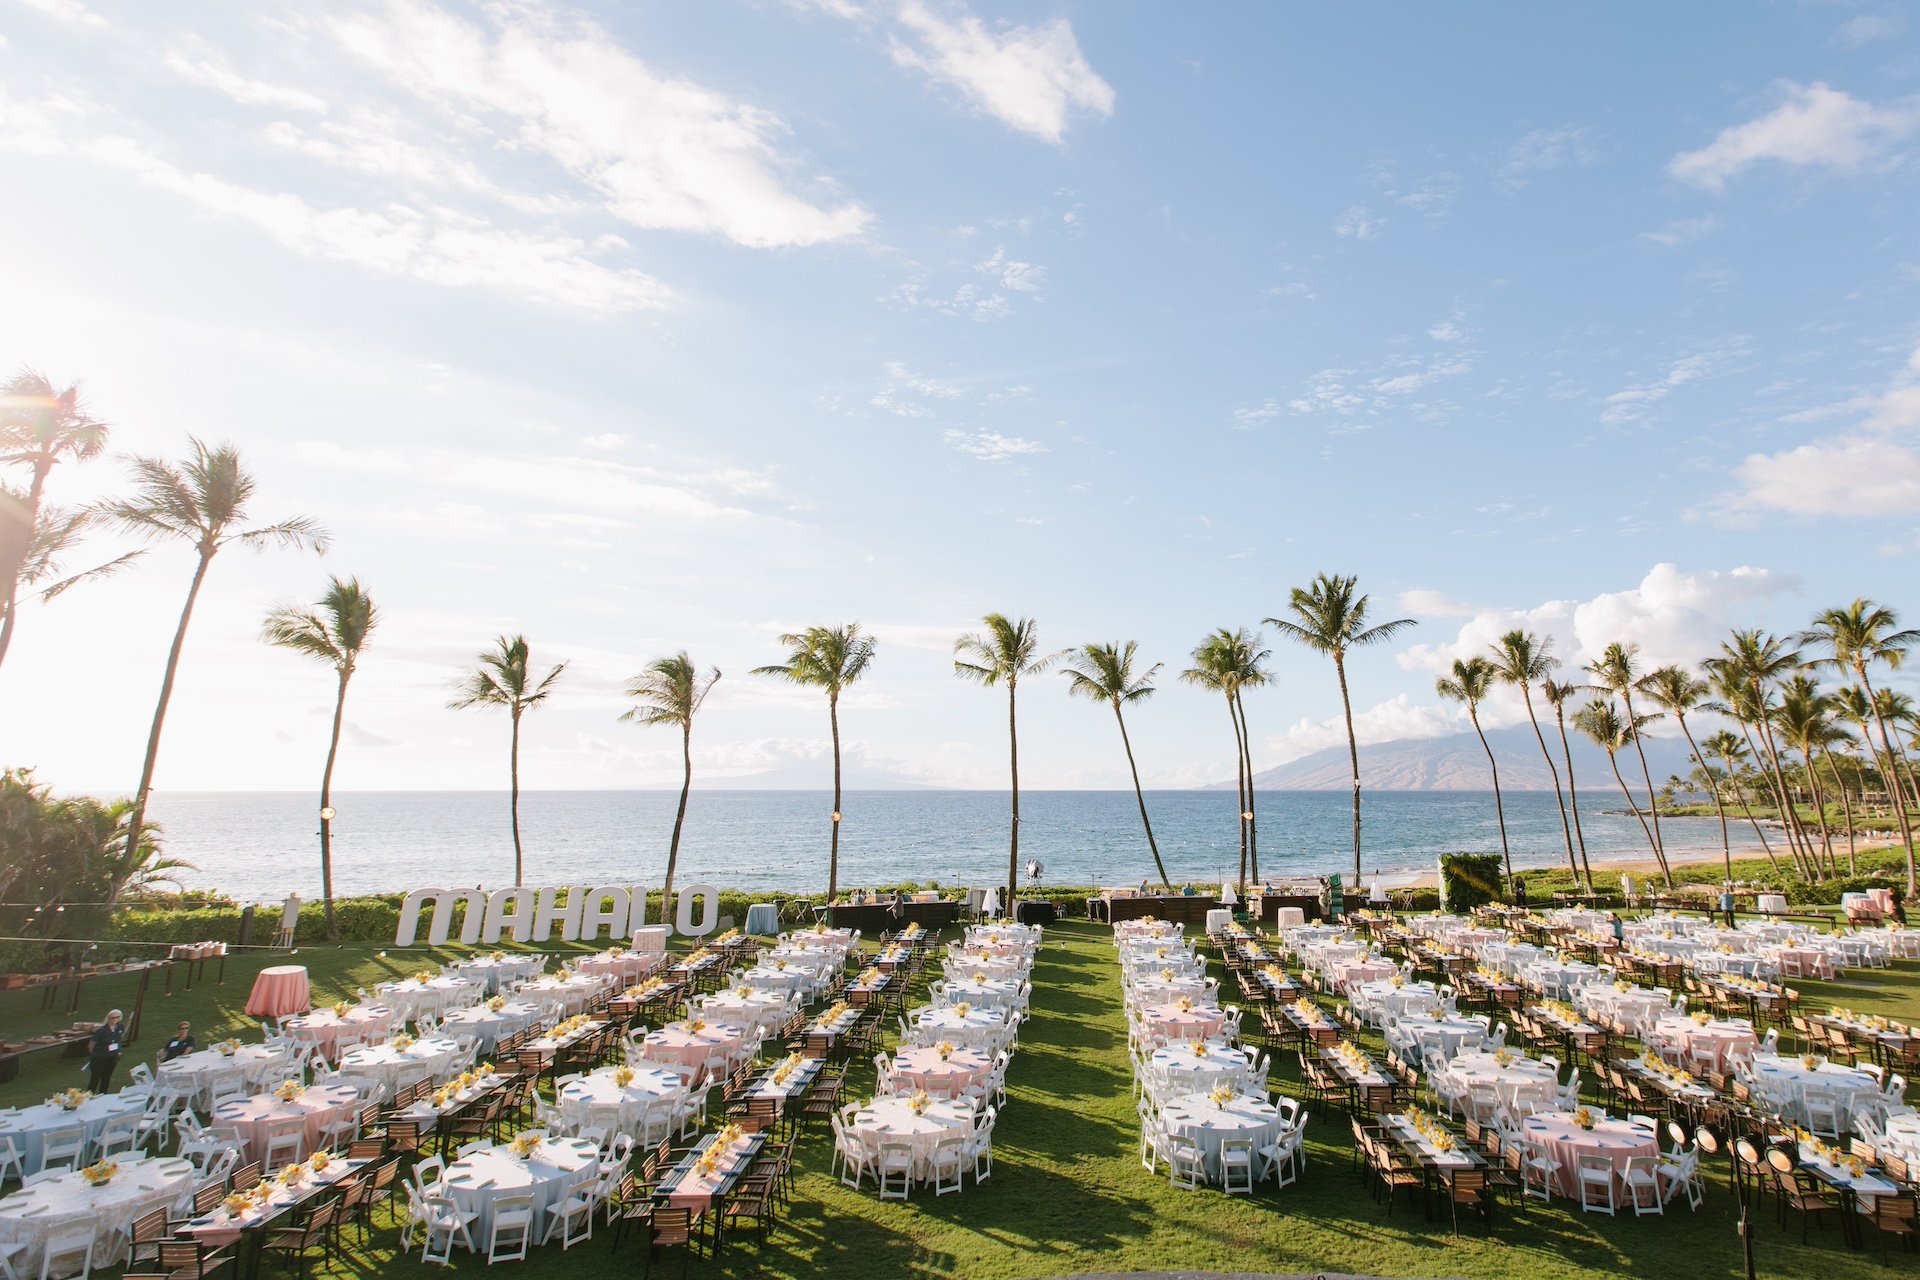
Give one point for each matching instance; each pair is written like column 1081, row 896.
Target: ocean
column 264, row 845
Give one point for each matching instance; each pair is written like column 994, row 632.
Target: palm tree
column 334, row 633
column 1229, row 662
column 829, row 658
column 1520, row 658
column 1727, row 747
column 1557, row 696
column 1833, row 736
column 670, row 691
column 1329, row 618
column 1756, row 662
column 203, row 503
column 1104, row 673
column 1734, row 697
column 55, row 532
column 1856, row 638
column 504, row 678
column 1602, row 721
column 1617, row 671
column 40, row 426
column 1677, row 691
column 1900, row 712
column 1000, row 655
column 1802, row 721
column 1471, row 681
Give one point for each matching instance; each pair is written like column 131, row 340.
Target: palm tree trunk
column 833, row 856
column 326, row 803
column 1745, row 807
column 1614, row 761
column 1846, row 809
column 1719, row 805
column 137, row 819
column 513, row 768
column 1141, row 796
column 1789, row 815
column 1013, row 760
column 1246, row 760
column 1659, row 845
column 1820, row 808
column 1239, row 794
column 1566, row 829
column 1573, row 794
column 680, row 814
column 1893, row 780
column 1499, row 808
column 30, row 514
column 1353, row 758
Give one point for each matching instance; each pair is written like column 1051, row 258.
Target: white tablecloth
column 390, row 1066
column 207, row 1069
column 1185, row 1070
column 30, row 1126
column 892, row 1120
column 33, row 1216
column 757, row 1010
column 1207, row 1124
column 599, row 1100
column 410, row 999
column 571, row 994
column 490, row 1026
column 490, row 973
column 556, row 1167
column 976, row 1029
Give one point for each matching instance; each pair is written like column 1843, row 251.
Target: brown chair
column 367, row 1148
column 750, row 1202
column 404, row 1136
column 1896, row 1215
column 149, row 1229
column 1800, row 1190
column 1469, row 1187
column 671, row 1227
column 296, row 1244
column 246, row 1176
column 190, row 1259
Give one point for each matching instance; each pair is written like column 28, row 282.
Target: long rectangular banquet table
column 685, row 1186
column 1179, row 907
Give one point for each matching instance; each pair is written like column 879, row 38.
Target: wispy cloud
column 1814, row 126
column 1681, row 231
column 1358, row 222
column 991, row 446
column 1544, row 150
column 1033, row 79
column 1634, row 403
column 208, row 67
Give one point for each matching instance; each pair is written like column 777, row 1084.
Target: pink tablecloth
column 1185, row 1024
column 921, row 1067
column 1566, row 1142
column 676, row 1043
column 1352, row 973
column 325, row 1027
column 1721, row 1038
column 696, row 1191
column 279, row 991
column 629, row 966
column 1803, row 962
column 251, row 1117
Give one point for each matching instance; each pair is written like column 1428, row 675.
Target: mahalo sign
column 529, row 915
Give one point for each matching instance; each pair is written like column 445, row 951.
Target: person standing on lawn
column 103, row 1052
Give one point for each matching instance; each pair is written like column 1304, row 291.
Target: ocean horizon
column 262, row 845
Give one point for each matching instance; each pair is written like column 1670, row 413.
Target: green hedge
column 1469, row 880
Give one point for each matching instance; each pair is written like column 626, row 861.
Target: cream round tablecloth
column 1634, row 1006
column 988, row 993
column 411, row 998
column 1352, row 973
column 991, row 966
column 571, row 994
column 1152, row 991
column 317, row 1107
column 1789, row 1078
column 549, row 1175
column 1451, row 1035
column 279, row 990
column 33, row 1216
column 678, row 1042
column 599, row 1100
column 207, row 1069
column 388, row 1065
column 921, row 1067
column 1380, row 998
column 324, row 1027
column 1521, row 1076
column 490, row 1026
column 1197, row 1023
column 1720, row 1037
column 893, row 1120
column 490, row 973
column 29, row 1126
column 756, row 1010
column 1188, row 1071
column 1207, row 1124
column 975, row 1029
column 627, row 966
column 1566, row 1142
column 793, row 979
column 1147, row 929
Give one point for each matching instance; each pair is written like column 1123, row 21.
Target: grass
column 1068, row 1193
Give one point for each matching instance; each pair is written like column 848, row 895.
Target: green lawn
column 1068, row 1193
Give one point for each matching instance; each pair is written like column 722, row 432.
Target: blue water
column 263, row 845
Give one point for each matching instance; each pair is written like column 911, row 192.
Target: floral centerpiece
column 524, row 1144
column 944, row 1049
column 979, row 975
column 1502, row 1057
column 1184, row 1004
column 623, row 1076
column 443, row 1095
column 226, row 1048
column 341, row 1009
column 69, row 1099
column 696, row 1024
column 496, row 1003
column 99, row 1175
column 780, row 963
column 402, row 1042
column 696, row 956
column 1199, row 1048
column 235, row 1205
column 1811, row 1061
column 288, row 1090
column 319, row 1161
column 918, row 1102
column 293, row 1175
column 1166, row 975
column 1584, row 1118
column 963, row 1009
column 497, row 956
column 1701, row 1018
column 1396, row 981
column 869, row 976
column 1220, row 1095
column 423, row 976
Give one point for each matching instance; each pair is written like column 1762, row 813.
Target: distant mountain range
column 1457, row 763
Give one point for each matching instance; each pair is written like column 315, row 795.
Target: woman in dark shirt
column 181, row 1044
column 103, row 1052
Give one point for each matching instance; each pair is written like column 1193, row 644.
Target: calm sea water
column 263, row 845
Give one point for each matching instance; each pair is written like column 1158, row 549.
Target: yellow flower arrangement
column 69, row 1099
column 341, row 1009
column 869, row 975
column 227, row 1048
column 1502, row 1058
column 1199, row 1048
column 423, row 976
column 288, row 1090
column 524, row 1145
column 696, row 1025
column 497, row 956
column 1811, row 1061
column 1584, row 1118
column 319, row 1161
column 1184, row 1004
column 1701, row 1018
column 963, row 1009
column 402, row 1042
column 918, row 1102
column 235, row 1205
column 99, row 1175
column 623, row 1076
column 292, row 1176
column 979, row 975
column 1166, row 975
column 1220, row 1095
column 944, row 1049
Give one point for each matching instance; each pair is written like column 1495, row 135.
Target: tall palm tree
column 1735, row 697
column 1328, row 617
column 1758, row 661
column 1520, row 658
column 1833, row 743
column 1801, row 719
column 1857, row 638
column 1602, row 721
column 1000, row 655
column 40, row 426
column 1900, row 712
column 335, row 632
column 1229, row 662
column 505, row 679
column 1617, row 671
column 1677, row 691
column 829, row 658
column 1104, row 673
column 1726, row 747
column 56, row 530
column 670, row 691
column 1557, row 696
column 1471, row 681
column 201, row 502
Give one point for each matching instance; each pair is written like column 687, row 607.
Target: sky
column 639, row 328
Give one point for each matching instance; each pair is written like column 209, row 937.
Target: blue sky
column 639, row 328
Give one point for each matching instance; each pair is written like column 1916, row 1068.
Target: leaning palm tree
column 1000, row 655
column 829, row 658
column 1857, row 638
column 1677, row 691
column 1557, row 696
column 335, row 633
column 670, row 692
column 1104, row 673
column 1900, row 712
column 40, row 426
column 1617, row 671
column 42, row 575
column 1471, row 681
column 201, row 502
column 1802, row 723
column 1726, row 747
column 1601, row 721
column 1520, row 658
column 1735, row 698
column 1755, row 662
column 1230, row 662
column 1329, row 618
column 505, row 679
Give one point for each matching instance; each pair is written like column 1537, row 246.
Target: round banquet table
column 1559, row 979
column 1565, row 1142
column 763, row 918
column 598, row 1099
column 628, row 966
column 892, row 1120
column 1903, row 1135
column 1349, row 973
column 836, row 938
column 1450, row 1035
column 38, row 1213
column 324, row 1027
column 1197, row 1023
column 1166, row 990
column 1207, row 1124
column 1718, row 1036
column 490, row 1026
column 1286, row 917
column 29, row 1126
column 205, row 1069
column 1787, row 1079
column 549, row 1175
column 989, row 993
column 1147, row 929
column 678, row 1042
column 317, row 1106
column 410, row 998
column 921, row 1067
column 1522, row 1075
column 388, row 1065
column 571, row 994
column 490, row 973
column 975, row 1029
column 753, row 1009
column 279, row 990
column 1381, row 997
column 793, row 978
column 1190, row 1072
column 1180, row 962
column 991, row 966
column 1635, row 1005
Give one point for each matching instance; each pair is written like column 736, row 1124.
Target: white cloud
column 1815, row 125
column 1542, row 150
column 1390, row 721
column 1631, row 404
column 662, row 153
column 1681, row 231
column 1252, row 415
column 1446, row 331
column 1433, row 604
column 605, row 440
column 1029, row 78
column 991, row 446
column 1359, row 223
column 966, row 300
column 923, row 384
column 1011, row 273
column 1867, row 28
column 373, row 143
column 209, row 68
column 67, row 11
